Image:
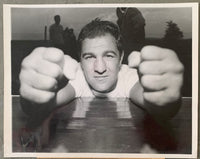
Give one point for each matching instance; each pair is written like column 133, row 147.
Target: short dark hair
column 98, row 28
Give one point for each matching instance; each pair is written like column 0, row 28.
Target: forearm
column 163, row 112
column 31, row 108
column 166, row 111
column 65, row 95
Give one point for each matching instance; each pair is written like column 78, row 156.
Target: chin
column 103, row 89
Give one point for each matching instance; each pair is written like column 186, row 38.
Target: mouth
column 101, row 78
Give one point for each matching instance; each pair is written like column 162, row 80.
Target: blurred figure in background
column 56, row 33
column 70, row 42
column 131, row 24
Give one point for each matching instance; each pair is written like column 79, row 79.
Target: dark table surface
column 103, row 126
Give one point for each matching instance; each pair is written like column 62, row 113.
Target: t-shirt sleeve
column 77, row 82
column 130, row 79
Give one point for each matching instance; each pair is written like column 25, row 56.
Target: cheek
column 87, row 67
column 113, row 66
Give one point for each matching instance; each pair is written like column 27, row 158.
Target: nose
column 100, row 66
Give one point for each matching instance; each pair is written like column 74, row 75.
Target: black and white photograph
column 101, row 80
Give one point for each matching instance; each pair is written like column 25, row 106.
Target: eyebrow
column 92, row 54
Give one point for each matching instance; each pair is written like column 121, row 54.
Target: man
column 70, row 42
column 155, row 85
column 132, row 26
column 56, row 33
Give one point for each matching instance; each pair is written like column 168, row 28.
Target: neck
column 99, row 94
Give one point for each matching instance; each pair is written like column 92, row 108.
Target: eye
column 110, row 55
column 88, row 57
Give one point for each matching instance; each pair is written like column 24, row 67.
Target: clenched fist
column 43, row 73
column 160, row 72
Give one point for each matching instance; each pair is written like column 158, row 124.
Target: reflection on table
column 102, row 126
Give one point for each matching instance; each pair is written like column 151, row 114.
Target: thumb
column 70, row 67
column 134, row 59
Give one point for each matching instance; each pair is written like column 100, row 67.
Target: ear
column 121, row 58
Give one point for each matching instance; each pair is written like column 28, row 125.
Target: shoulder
column 128, row 77
column 125, row 70
column 80, row 84
column 52, row 26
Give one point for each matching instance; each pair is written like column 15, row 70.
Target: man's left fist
column 160, row 72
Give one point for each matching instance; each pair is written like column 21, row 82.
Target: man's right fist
column 40, row 74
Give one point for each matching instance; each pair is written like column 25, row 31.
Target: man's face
column 100, row 61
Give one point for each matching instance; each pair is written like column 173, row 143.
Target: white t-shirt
column 127, row 78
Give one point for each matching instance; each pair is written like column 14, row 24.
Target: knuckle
column 161, row 102
column 144, row 81
column 178, row 81
column 147, row 49
column 159, row 99
column 172, row 62
column 21, row 76
column 26, row 62
column 170, row 66
column 175, row 66
column 47, row 97
column 174, row 96
column 37, row 53
column 170, row 52
column 142, row 68
column 53, row 49
column 56, row 71
column 31, row 60
column 180, row 67
column 51, row 84
column 59, row 53
column 54, row 54
column 23, row 91
column 144, row 51
column 40, row 97
column 171, row 95
column 26, row 76
column 174, row 81
column 38, row 50
column 171, row 55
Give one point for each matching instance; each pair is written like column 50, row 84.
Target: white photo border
column 7, row 81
